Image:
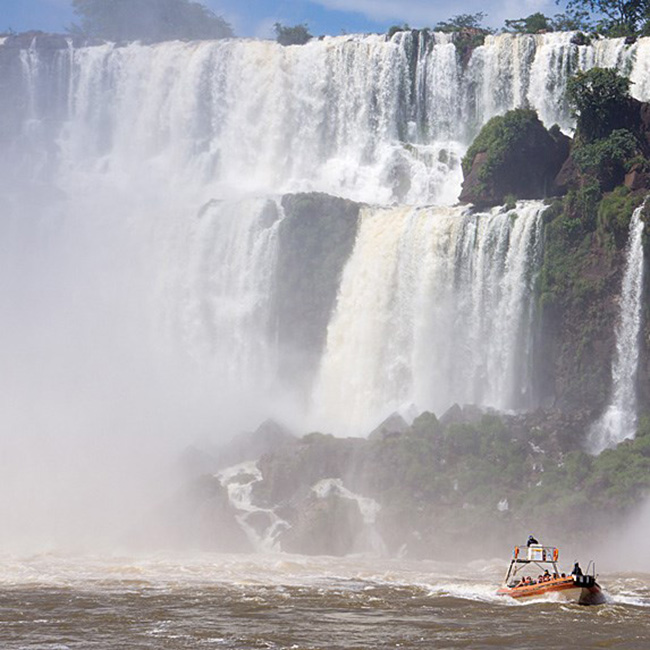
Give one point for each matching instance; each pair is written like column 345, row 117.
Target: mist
column 198, row 236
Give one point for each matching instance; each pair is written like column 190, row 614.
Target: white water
column 619, row 421
column 239, row 481
column 435, row 306
column 117, row 149
column 355, row 116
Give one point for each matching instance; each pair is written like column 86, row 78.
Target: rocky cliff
column 433, row 488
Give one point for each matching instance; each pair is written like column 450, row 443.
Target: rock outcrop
column 327, row 525
column 315, row 238
column 514, row 156
column 269, row 437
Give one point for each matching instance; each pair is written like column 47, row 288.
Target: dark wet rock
column 269, row 437
column 327, row 525
column 453, row 415
column 316, row 238
column 289, row 473
column 580, row 39
column 394, row 424
column 513, row 156
column 260, row 521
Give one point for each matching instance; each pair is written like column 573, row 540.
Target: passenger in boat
column 577, row 571
column 531, row 541
column 564, row 575
column 555, row 576
column 547, row 575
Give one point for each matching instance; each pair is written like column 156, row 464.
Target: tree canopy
column 296, row 35
column 462, row 22
column 530, row 25
column 148, row 20
column 596, row 97
column 620, row 17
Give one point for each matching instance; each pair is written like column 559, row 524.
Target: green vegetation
column 469, row 33
column 538, row 22
column 597, row 97
column 462, row 22
column 296, row 35
column 607, row 158
column 532, row 24
column 618, row 18
column 148, row 20
column 497, row 138
column 477, row 464
column 396, row 29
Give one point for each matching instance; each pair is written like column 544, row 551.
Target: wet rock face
column 316, row 239
column 268, row 437
column 324, row 526
column 290, row 473
column 514, row 155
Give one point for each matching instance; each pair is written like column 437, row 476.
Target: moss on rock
column 513, row 156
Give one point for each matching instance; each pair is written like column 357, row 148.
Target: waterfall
column 619, row 420
column 116, row 148
column 224, row 313
column 435, row 306
column 361, row 117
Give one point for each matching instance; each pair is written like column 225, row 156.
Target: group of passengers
column 527, row 581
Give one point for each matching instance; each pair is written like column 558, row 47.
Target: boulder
column 394, row 424
column 327, row 525
column 514, row 155
column 270, row 436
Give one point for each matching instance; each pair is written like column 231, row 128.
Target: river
column 59, row 602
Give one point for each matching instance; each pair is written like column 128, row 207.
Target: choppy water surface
column 53, row 602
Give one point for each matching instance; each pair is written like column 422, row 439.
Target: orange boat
column 520, row 584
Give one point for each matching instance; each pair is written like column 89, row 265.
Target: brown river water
column 59, row 602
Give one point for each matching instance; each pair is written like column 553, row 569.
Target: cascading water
column 228, row 289
column 125, row 144
column 435, row 306
column 619, row 420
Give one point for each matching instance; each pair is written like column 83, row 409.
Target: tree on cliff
column 462, row 22
column 532, row 24
column 607, row 133
column 148, row 20
column 538, row 22
column 296, row 35
column 620, row 17
column 597, row 97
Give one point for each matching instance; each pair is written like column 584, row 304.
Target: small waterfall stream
column 619, row 420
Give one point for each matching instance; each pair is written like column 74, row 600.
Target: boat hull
column 565, row 590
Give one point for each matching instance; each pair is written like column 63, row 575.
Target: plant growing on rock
column 596, row 97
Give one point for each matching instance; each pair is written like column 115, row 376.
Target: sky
column 255, row 18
